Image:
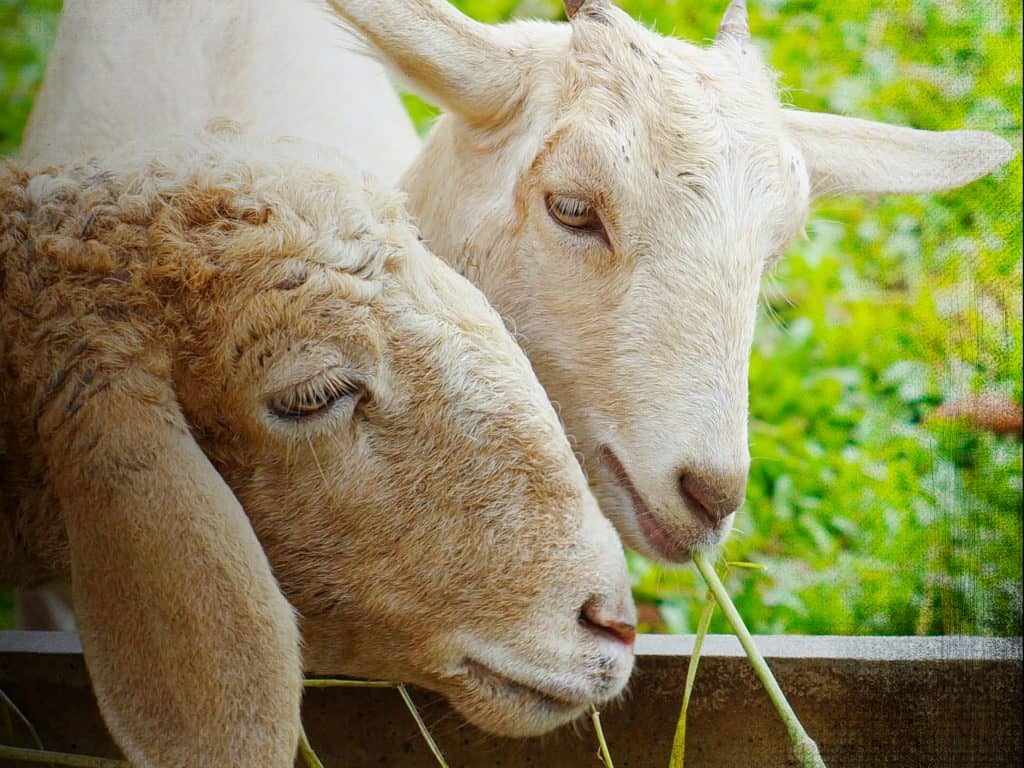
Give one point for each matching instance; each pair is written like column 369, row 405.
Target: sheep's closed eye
column 316, row 398
column 574, row 214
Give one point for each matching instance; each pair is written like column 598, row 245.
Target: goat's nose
column 713, row 494
column 618, row 625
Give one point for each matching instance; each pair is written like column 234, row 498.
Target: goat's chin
column 648, row 533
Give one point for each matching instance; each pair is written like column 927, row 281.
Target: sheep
column 245, row 411
column 617, row 195
column 180, row 80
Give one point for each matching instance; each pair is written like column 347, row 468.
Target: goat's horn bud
column 734, row 22
column 594, row 9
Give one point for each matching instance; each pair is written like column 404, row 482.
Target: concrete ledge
column 869, row 702
column 947, row 648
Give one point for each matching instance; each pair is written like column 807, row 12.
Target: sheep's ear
column 192, row 649
column 451, row 60
column 844, row 155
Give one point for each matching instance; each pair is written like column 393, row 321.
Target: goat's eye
column 574, row 213
column 315, row 398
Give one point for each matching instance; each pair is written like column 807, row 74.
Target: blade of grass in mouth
column 804, row 748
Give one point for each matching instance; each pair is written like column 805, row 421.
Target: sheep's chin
column 499, row 691
column 504, row 707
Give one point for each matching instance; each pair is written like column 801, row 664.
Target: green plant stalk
column 312, row 761
column 438, row 755
column 804, row 748
column 678, row 755
column 306, row 751
column 19, row 754
column 602, row 744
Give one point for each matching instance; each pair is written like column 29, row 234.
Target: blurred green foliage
column 870, row 517
column 27, row 28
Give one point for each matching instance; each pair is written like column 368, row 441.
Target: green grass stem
column 804, row 748
column 322, row 682
column 678, row 756
column 12, row 707
column 306, row 751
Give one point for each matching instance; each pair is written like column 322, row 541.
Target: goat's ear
column 847, row 155
column 192, row 649
column 596, row 10
column 451, row 60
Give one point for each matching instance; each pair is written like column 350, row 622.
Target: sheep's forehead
column 359, row 232
column 414, row 301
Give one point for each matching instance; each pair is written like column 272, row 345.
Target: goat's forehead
column 672, row 139
column 664, row 86
column 638, row 109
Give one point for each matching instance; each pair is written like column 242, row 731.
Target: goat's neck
column 462, row 216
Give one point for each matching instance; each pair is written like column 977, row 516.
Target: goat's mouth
column 654, row 532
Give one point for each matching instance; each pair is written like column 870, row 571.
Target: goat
column 242, row 405
column 615, row 193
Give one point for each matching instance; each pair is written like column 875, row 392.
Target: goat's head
column 617, row 195
column 396, row 457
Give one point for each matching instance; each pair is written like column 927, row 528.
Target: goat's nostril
column 714, row 495
column 607, row 624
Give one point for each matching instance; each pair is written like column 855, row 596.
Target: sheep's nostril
column 607, row 624
column 715, row 495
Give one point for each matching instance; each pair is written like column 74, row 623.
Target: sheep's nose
column 617, row 624
column 713, row 494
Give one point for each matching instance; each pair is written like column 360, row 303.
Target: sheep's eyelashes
column 314, row 399
column 574, row 213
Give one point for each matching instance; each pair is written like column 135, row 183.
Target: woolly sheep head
column 228, row 332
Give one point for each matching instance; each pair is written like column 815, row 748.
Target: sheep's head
column 617, row 195
column 400, row 464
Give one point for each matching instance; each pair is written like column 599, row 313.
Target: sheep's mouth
column 507, row 687
column 663, row 542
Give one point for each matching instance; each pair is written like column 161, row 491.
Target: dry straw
column 306, row 750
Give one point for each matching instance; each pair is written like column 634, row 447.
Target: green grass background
column 869, row 517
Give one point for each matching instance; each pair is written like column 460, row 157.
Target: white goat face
column 617, row 195
column 637, row 270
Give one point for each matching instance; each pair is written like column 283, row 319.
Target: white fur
column 127, row 68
